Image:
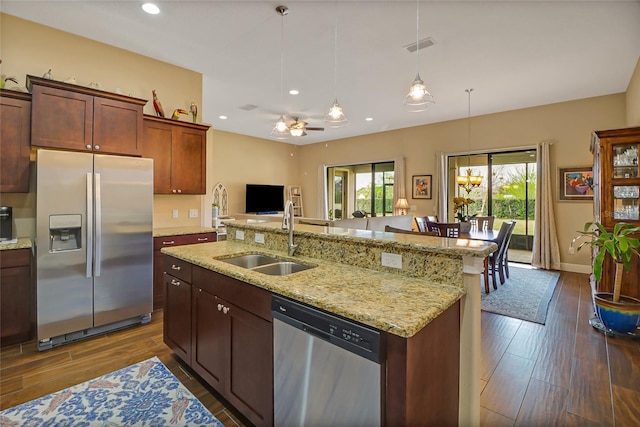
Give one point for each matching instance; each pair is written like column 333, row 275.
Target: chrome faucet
column 287, row 224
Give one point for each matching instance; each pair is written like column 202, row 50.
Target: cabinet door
column 15, row 145
column 177, row 317
column 210, row 339
column 250, row 371
column 117, row 127
column 157, row 145
column 61, row 119
column 188, row 161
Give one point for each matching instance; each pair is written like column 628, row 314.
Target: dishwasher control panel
column 352, row 336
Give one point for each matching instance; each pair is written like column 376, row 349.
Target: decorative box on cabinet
column 616, row 174
column 165, row 242
column 179, row 153
column 15, row 296
column 80, row 118
column 15, row 141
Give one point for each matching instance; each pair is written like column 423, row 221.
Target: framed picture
column 575, row 183
column 421, row 187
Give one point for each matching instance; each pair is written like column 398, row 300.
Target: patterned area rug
column 525, row 295
column 144, row 394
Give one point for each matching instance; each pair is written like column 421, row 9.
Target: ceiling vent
column 248, row 107
column 429, row 41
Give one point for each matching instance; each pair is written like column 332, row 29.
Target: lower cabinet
column 231, row 336
column 16, row 313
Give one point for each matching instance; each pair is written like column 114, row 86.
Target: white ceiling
column 514, row 54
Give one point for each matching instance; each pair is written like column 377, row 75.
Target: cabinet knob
column 173, row 191
column 176, row 267
column 88, row 147
column 179, row 191
column 203, row 239
column 225, row 310
column 97, row 147
column 170, row 242
column 219, row 307
column 175, row 282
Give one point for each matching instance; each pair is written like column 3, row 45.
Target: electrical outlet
column 259, row 238
column 174, row 214
column 571, row 250
column 413, row 208
column 239, row 235
column 193, row 213
column 391, row 260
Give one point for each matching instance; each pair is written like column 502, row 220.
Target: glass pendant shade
column 280, row 130
column 296, row 131
column 418, row 98
column 336, row 117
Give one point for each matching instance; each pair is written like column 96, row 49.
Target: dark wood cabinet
column 179, row 153
column 15, row 141
column 177, row 308
column 79, row 118
column 158, row 267
column 616, row 176
column 16, row 314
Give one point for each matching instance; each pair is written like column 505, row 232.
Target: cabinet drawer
column 177, row 268
column 201, row 238
column 15, row 258
column 244, row 295
column 183, row 239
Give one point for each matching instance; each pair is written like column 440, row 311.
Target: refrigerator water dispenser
column 65, row 233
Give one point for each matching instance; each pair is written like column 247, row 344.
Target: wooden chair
column 432, row 218
column 483, row 223
column 391, row 229
column 505, row 257
column 444, row 229
column 421, row 223
column 495, row 260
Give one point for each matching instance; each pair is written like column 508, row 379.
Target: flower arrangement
column 461, row 208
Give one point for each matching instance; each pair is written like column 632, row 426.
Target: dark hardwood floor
column 563, row 373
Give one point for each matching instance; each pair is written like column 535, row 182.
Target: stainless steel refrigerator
column 94, row 244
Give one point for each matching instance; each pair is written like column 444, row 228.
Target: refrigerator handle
column 89, row 244
column 98, row 227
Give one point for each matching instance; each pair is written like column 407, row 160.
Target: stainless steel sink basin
column 282, row 268
column 266, row 264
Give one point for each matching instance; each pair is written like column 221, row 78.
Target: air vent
column 429, row 41
column 248, row 107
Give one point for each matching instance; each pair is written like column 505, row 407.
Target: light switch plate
column 391, row 260
column 193, row 213
column 174, row 213
column 239, row 235
column 259, row 238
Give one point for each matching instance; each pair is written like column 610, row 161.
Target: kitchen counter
column 178, row 231
column 22, row 243
column 387, row 301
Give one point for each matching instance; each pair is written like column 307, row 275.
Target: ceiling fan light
column 335, row 118
column 296, row 131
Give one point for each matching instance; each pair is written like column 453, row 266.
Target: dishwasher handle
column 319, row 334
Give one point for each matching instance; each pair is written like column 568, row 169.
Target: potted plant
column 461, row 208
column 617, row 313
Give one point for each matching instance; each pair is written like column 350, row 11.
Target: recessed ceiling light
column 369, row 119
column 294, row 92
column 222, row 117
column 151, row 8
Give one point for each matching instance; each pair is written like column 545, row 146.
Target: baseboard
column 575, row 268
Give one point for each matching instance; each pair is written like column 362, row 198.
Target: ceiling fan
column 299, row 127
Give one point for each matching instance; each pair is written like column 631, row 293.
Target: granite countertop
column 389, row 302
column 22, row 243
column 179, row 231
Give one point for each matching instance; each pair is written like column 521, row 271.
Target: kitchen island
column 422, row 308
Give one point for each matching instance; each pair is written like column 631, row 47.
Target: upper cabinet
column 15, row 128
column 617, row 176
column 80, row 118
column 178, row 150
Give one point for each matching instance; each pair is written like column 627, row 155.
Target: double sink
column 266, row 264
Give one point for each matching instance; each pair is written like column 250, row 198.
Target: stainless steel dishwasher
column 327, row 369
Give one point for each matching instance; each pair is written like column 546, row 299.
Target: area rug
column 144, row 394
column 524, row 295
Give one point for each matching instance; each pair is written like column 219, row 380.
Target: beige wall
column 633, row 98
column 30, row 48
column 568, row 124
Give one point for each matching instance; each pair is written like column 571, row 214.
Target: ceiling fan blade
column 313, row 128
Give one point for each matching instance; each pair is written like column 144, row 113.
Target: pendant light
column 281, row 130
column 418, row 98
column 335, row 118
column 469, row 181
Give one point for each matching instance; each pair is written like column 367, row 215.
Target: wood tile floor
column 563, row 373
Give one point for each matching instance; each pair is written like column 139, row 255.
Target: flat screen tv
column 264, row 199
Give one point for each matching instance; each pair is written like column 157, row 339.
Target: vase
column 622, row 316
column 465, row 226
column 214, row 212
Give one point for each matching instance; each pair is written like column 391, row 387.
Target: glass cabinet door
column 625, row 161
column 625, row 202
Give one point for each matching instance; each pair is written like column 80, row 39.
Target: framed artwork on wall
column 575, row 183
column 421, row 187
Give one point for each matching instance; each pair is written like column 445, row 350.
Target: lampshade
column 469, row 181
column 280, row 130
column 418, row 98
column 336, row 117
column 296, row 131
column 402, row 204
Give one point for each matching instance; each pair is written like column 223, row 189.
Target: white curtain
column 440, row 186
column 546, row 251
column 398, row 182
column 322, row 210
